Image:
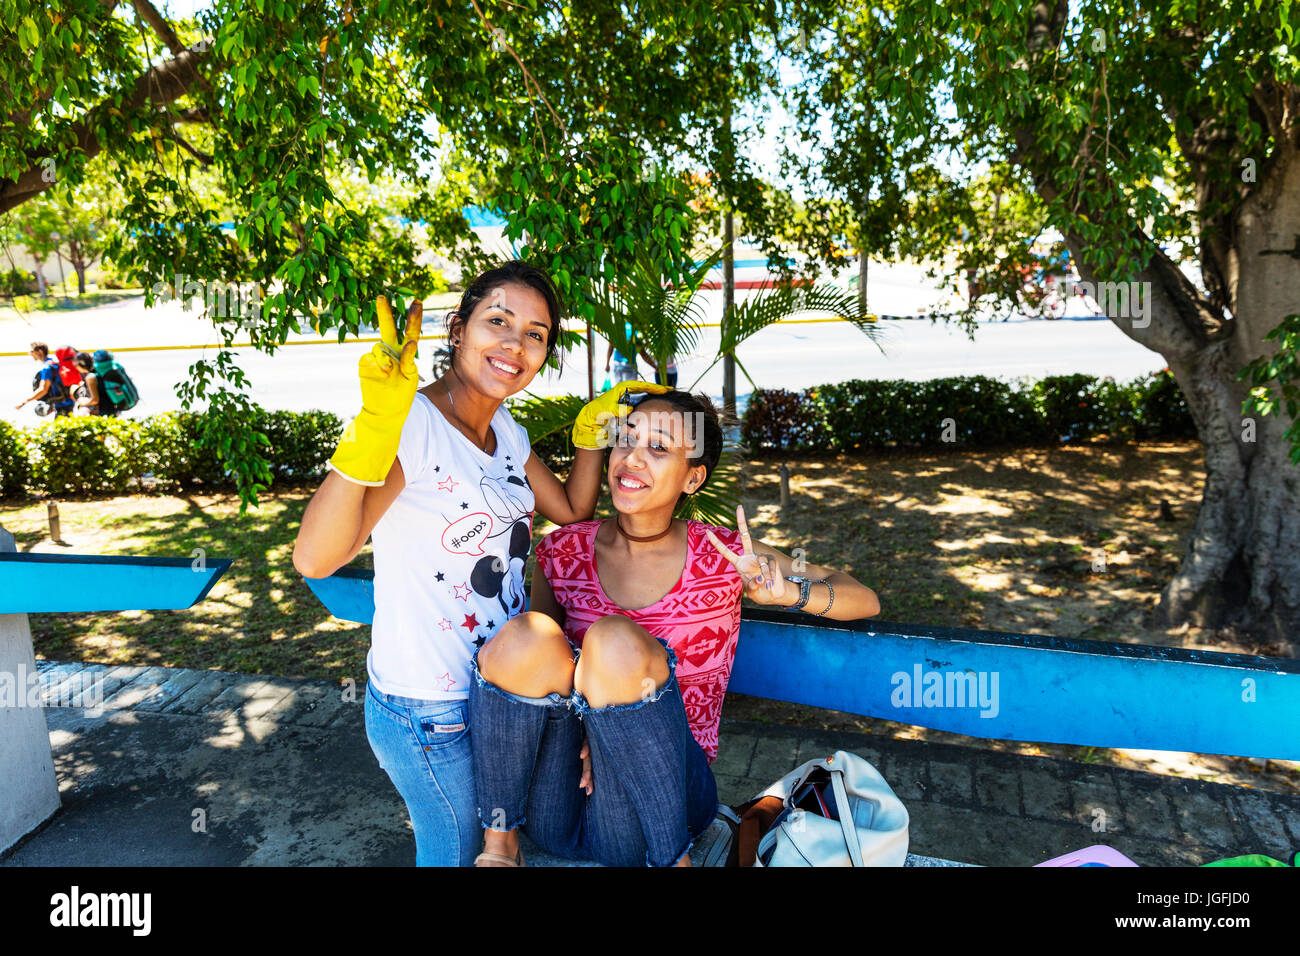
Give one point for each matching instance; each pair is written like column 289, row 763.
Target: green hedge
column 113, row 455
column 118, row 455
column 15, row 469
column 862, row 415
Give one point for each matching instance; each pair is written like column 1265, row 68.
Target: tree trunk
column 591, row 364
column 1242, row 563
column 161, row 85
column 862, row 280
column 728, row 303
column 728, row 263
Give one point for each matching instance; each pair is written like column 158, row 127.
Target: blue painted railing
column 82, row 582
column 994, row 684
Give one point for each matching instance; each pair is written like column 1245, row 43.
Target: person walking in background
column 48, row 387
column 93, row 397
column 117, row 391
column 624, row 366
column 659, row 375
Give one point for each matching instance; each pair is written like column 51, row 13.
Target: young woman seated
column 595, row 713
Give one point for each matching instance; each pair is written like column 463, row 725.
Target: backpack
column 68, row 371
column 116, row 390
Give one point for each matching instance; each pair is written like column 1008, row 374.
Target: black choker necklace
column 653, row 537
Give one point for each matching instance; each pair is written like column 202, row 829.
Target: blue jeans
column 424, row 747
column 652, row 790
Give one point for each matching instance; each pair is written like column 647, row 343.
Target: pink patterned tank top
column 699, row 618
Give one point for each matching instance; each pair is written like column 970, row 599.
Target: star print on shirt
column 461, row 587
column 510, row 467
column 445, row 624
column 448, row 484
column 490, row 625
column 470, row 622
column 480, row 641
column 464, row 505
column 439, row 576
column 445, row 681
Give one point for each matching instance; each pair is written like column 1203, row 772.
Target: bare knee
column 529, row 656
column 620, row 663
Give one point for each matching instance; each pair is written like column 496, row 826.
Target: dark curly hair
column 697, row 410
column 513, row 272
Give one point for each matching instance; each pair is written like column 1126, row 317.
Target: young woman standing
column 445, row 481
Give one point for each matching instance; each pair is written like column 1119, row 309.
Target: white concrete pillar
column 29, row 793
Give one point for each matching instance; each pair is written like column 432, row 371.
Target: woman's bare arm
column 853, row 600
column 339, row 519
column 574, row 499
column 542, row 598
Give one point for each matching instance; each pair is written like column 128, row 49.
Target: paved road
column 288, row 780
column 323, row 374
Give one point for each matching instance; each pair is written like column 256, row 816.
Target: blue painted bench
column 29, row 792
column 93, row 582
column 995, row 684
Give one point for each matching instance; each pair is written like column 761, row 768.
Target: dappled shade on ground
column 1063, row 540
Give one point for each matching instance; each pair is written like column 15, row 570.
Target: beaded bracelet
column 822, row 612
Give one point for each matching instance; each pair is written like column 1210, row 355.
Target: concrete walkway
column 202, row 768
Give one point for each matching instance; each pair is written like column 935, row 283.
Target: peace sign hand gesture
column 764, row 583
column 368, row 448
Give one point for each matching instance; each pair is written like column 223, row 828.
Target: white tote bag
column 865, row 823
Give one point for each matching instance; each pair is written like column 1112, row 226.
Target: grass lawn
column 1004, row 539
column 64, row 299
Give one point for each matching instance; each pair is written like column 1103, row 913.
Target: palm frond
column 665, row 322
column 740, row 365
column 778, row 301
column 696, row 278
column 546, row 416
column 716, row 502
column 569, row 341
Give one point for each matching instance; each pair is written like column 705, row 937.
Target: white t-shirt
column 449, row 554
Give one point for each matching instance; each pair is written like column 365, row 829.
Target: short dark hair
column 42, row 348
column 84, row 360
column 709, row 444
column 513, row 272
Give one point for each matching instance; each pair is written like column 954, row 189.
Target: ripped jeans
column 652, row 790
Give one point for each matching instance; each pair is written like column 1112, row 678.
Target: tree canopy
column 550, row 115
column 1148, row 138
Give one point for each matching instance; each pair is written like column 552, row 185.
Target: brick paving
column 280, row 773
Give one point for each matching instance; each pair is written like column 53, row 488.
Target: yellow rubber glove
column 591, row 429
column 368, row 447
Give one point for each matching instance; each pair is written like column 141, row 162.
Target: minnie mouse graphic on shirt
column 508, row 515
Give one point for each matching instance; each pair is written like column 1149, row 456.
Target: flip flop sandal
column 516, row 860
